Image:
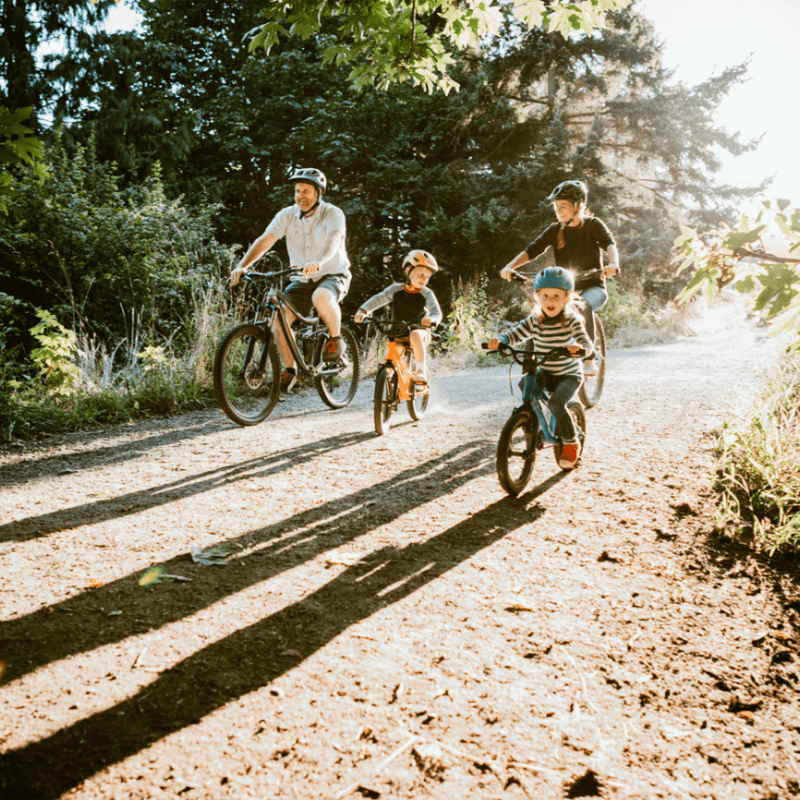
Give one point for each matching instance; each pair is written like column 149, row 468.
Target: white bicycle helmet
column 420, row 258
column 312, row 176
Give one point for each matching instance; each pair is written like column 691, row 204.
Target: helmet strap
column 312, row 209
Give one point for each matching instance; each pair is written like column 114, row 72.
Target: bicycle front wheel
column 385, row 398
column 338, row 383
column 418, row 404
column 516, row 452
column 247, row 374
column 592, row 386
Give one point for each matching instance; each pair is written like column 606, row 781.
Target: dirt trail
column 391, row 625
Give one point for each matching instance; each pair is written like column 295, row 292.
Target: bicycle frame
column 532, row 392
column 537, row 397
column 275, row 305
column 405, row 380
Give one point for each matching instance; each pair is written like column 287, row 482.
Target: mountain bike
column 395, row 379
column 531, row 426
column 592, row 387
column 247, row 366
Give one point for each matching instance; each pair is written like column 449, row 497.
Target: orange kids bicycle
column 395, row 380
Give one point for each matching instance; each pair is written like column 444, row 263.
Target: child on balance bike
column 554, row 323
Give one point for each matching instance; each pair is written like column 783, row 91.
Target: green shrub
column 757, row 476
column 89, row 252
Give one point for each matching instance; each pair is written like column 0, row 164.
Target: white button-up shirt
column 306, row 237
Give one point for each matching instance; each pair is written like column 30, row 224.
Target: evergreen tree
column 28, row 78
column 464, row 175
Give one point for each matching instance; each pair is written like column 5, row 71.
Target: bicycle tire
column 516, row 452
column 418, row 404
column 592, row 387
column 246, row 396
column 579, row 418
column 385, row 398
column 338, row 390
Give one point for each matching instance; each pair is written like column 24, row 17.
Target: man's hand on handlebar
column 236, row 275
column 311, row 269
column 360, row 315
column 610, row 270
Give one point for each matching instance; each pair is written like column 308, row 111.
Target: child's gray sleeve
column 432, row 308
column 382, row 298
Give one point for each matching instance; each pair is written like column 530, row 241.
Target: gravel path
column 390, row 624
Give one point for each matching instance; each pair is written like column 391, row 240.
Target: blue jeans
column 595, row 298
column 562, row 389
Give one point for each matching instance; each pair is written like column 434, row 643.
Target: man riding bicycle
column 578, row 240
column 315, row 240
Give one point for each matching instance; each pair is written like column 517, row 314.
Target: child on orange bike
column 412, row 301
column 555, row 323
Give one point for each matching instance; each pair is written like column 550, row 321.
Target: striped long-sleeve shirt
column 547, row 336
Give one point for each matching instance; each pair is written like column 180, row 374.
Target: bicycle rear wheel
column 418, row 404
column 385, row 398
column 246, row 392
column 338, row 384
column 592, row 386
column 579, row 418
column 516, row 452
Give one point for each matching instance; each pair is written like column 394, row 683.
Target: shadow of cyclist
column 248, row 660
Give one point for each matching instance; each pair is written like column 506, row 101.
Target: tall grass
column 106, row 385
column 758, row 478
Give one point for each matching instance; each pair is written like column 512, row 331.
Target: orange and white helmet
column 420, row 258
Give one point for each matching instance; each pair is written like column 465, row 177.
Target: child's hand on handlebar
column 575, row 349
column 494, row 343
column 360, row 315
column 427, row 322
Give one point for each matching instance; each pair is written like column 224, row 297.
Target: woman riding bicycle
column 578, row 240
column 554, row 323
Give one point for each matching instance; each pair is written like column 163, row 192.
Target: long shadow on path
column 52, row 464
column 114, row 507
column 83, row 622
column 247, row 660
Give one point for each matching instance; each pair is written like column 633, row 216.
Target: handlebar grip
column 484, row 345
column 515, row 276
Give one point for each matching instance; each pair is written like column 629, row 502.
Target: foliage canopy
column 393, row 41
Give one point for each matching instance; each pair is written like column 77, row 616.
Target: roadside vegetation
column 757, row 477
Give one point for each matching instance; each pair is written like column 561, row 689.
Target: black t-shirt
column 582, row 251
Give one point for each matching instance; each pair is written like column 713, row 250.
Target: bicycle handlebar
column 520, row 356
column 252, row 276
column 386, row 325
column 524, row 277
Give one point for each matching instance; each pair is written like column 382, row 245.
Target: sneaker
column 288, row 381
column 421, row 376
column 569, row 455
column 334, row 349
column 589, row 368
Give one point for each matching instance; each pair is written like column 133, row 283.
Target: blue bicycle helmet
column 554, row 278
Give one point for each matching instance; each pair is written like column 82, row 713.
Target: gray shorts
column 300, row 293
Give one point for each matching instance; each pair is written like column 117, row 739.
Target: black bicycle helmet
column 312, row 176
column 574, row 191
